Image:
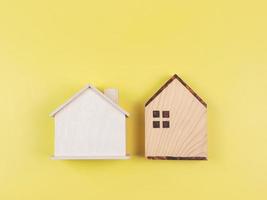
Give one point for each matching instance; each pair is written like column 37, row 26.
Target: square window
column 156, row 124
column 155, row 113
column 166, row 124
column 165, row 114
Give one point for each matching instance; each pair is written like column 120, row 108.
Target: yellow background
column 50, row 49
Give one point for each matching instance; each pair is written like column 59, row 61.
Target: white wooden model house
column 176, row 123
column 90, row 125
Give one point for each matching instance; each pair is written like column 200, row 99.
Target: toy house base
column 90, row 157
column 175, row 158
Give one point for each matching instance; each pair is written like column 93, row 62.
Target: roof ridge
column 76, row 95
column 175, row 76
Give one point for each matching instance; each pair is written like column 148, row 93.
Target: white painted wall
column 90, row 126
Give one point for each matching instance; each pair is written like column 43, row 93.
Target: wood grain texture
column 186, row 138
column 175, row 76
column 175, row 158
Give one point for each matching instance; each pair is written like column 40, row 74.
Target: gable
column 176, row 78
column 174, row 93
column 80, row 93
column 88, row 103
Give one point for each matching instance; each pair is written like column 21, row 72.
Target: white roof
column 82, row 91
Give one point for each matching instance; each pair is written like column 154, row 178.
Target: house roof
column 175, row 76
column 116, row 106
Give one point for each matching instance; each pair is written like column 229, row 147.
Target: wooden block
column 90, row 157
column 90, row 125
column 176, row 123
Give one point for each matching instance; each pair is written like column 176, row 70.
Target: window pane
column 155, row 113
column 166, row 114
column 166, row 124
column 156, row 124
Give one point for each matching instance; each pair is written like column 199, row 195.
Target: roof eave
column 175, row 76
column 117, row 107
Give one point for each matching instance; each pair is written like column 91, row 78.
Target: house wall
column 90, row 126
column 187, row 135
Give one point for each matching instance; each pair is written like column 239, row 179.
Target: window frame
column 161, row 119
column 156, row 124
column 156, row 114
column 165, row 114
column 165, row 124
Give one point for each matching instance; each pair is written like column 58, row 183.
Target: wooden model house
column 90, row 125
column 176, row 123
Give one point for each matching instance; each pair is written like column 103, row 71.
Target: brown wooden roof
column 175, row 76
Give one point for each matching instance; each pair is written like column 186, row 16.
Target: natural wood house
column 176, row 123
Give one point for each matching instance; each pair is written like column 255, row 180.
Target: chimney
column 113, row 94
